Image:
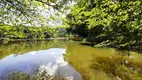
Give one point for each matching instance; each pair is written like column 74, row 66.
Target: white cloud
column 32, row 53
column 60, row 61
column 49, row 68
column 64, row 52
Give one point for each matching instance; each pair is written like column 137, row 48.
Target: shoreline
column 7, row 40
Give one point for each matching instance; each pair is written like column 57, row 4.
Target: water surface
column 70, row 59
column 29, row 56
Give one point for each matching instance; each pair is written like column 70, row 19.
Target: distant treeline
column 24, row 32
column 28, row 32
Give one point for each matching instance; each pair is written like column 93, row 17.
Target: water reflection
column 25, row 47
column 62, row 58
column 50, row 60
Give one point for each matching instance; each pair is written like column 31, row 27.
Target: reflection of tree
column 24, row 47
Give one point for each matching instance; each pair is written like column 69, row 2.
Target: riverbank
column 130, row 47
column 6, row 40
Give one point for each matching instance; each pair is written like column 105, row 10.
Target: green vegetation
column 34, row 12
column 15, row 33
column 104, row 23
column 130, row 69
column 35, row 75
column 114, row 23
column 24, row 32
column 100, row 23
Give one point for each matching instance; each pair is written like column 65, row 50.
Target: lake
column 59, row 57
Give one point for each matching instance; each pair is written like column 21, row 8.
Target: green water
column 82, row 62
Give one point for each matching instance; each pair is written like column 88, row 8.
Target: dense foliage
column 114, row 23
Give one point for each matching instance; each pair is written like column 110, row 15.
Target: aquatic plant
column 34, row 75
column 114, row 66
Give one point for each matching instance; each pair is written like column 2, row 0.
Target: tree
column 110, row 22
column 29, row 11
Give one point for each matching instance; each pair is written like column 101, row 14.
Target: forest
column 90, row 31
column 104, row 23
